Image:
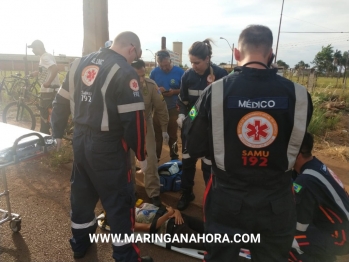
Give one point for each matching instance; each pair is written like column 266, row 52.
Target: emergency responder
column 48, row 79
column 101, row 91
column 251, row 124
column 153, row 99
column 168, row 77
column 322, row 210
column 194, row 81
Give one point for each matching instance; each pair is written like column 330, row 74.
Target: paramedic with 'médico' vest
column 251, row 125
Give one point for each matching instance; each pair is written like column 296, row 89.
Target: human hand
column 46, row 85
column 162, row 89
column 178, row 217
column 143, row 165
column 165, row 138
column 35, row 73
column 180, row 120
column 168, row 92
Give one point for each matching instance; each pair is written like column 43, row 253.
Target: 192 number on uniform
column 254, row 161
column 86, row 98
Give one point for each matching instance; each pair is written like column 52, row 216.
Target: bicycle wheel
column 19, row 115
column 15, row 89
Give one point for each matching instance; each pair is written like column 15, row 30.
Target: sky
column 59, row 24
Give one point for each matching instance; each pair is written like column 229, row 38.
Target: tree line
column 327, row 61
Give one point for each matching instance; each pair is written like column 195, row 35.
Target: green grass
column 320, row 124
column 321, row 82
column 62, row 156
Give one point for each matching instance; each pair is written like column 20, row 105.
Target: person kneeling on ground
column 322, row 210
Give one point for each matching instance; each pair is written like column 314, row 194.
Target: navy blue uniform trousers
column 189, row 168
column 101, row 170
column 227, row 212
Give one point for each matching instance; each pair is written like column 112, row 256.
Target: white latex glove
column 180, row 119
column 143, row 165
column 58, row 142
column 165, row 138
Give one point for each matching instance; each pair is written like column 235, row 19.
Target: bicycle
column 32, row 88
column 20, row 114
column 9, row 83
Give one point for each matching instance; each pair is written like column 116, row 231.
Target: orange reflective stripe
column 301, row 236
column 327, row 215
column 293, row 257
column 334, row 214
column 344, row 239
column 207, row 190
column 335, row 235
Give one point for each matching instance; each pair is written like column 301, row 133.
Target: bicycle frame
column 4, row 84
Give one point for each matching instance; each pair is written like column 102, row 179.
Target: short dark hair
column 307, row 145
column 256, row 36
column 163, row 54
column 138, row 64
column 201, row 49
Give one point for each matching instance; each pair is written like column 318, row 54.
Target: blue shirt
column 170, row 80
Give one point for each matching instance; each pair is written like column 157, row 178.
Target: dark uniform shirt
column 102, row 92
column 194, row 84
column 251, row 125
column 321, row 199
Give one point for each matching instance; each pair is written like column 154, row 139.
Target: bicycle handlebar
column 20, row 77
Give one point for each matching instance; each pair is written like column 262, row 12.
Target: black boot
column 186, row 198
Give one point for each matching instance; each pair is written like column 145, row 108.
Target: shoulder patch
column 210, row 79
column 134, row 85
column 89, row 74
column 193, row 113
column 297, row 187
column 335, row 177
column 160, row 94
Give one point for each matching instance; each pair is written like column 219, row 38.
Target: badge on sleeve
column 193, row 113
column 160, row 94
column 134, row 85
column 210, row 79
column 297, row 187
column 89, row 74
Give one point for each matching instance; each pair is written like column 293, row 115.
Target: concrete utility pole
column 277, row 42
column 96, row 31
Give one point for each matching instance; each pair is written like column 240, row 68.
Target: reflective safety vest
column 256, row 124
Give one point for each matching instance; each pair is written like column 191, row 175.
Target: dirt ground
column 40, row 194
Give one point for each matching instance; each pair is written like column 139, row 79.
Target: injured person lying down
column 152, row 219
